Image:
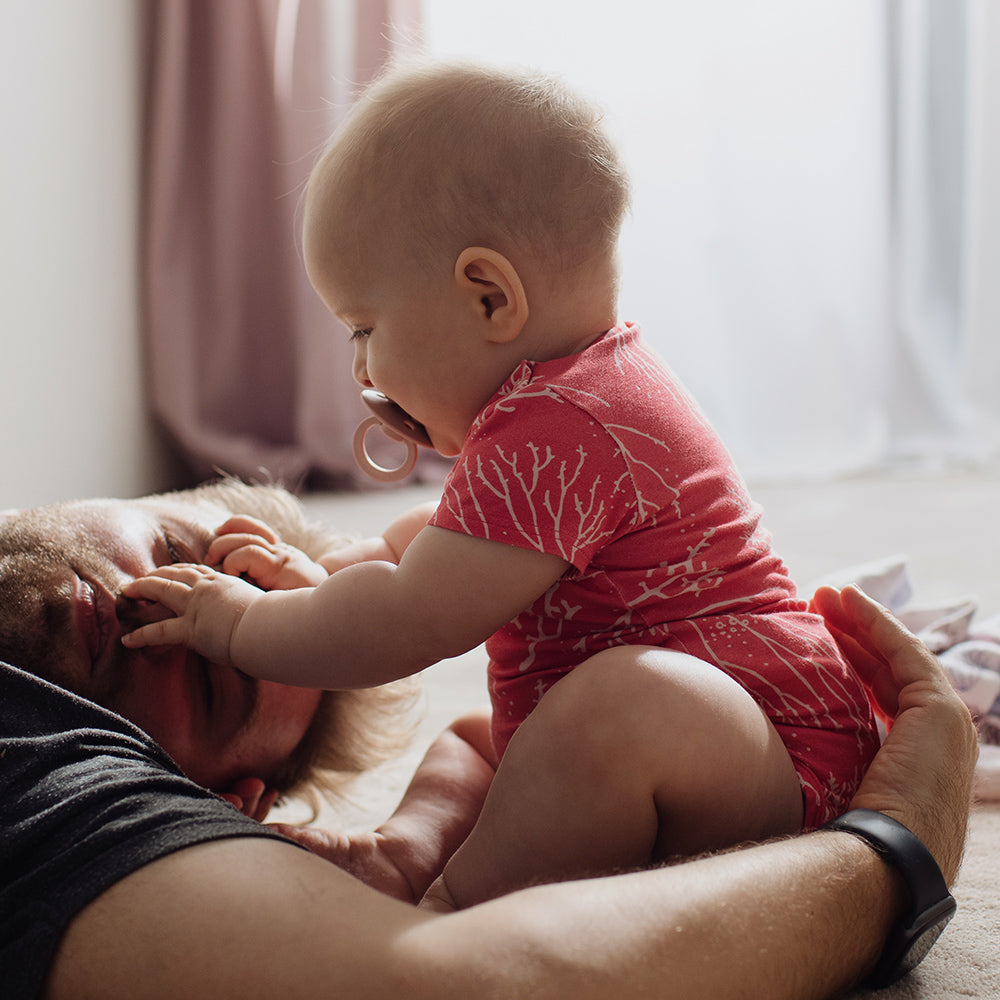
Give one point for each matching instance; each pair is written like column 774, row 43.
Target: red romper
column 604, row 459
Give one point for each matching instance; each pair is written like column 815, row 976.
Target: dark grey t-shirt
column 86, row 798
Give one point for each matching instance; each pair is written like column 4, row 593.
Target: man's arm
column 799, row 918
column 437, row 812
column 242, row 919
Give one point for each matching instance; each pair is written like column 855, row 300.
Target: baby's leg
column 638, row 755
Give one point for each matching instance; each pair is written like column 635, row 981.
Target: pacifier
column 397, row 425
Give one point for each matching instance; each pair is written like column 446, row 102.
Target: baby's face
column 416, row 337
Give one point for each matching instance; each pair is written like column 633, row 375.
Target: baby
column 657, row 687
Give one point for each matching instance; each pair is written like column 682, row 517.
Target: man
column 192, row 899
column 61, row 569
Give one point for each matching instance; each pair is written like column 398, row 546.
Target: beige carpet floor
column 947, row 528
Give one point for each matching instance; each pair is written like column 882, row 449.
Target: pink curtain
column 247, row 372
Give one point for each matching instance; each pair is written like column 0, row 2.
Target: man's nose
column 132, row 614
column 361, row 364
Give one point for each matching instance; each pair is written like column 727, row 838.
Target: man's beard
column 30, row 612
column 38, row 554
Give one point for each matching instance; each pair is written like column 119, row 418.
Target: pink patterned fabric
column 604, row 459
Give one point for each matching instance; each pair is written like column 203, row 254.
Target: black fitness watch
column 931, row 905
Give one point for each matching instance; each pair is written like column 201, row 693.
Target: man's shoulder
column 31, row 706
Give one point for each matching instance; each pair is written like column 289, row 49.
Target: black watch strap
column 931, row 905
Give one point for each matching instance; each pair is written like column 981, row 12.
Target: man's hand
column 246, row 547
column 437, row 812
column 208, row 606
column 922, row 776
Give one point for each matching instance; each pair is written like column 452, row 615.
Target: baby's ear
column 493, row 281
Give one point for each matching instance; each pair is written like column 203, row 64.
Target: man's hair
column 457, row 155
column 352, row 731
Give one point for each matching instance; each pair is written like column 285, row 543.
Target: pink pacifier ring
column 396, row 424
column 369, row 465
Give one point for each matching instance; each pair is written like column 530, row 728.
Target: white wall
column 71, row 403
column 756, row 257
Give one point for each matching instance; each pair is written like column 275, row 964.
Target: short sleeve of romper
column 87, row 799
column 538, row 472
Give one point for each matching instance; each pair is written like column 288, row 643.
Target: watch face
column 920, row 946
column 931, row 905
column 919, row 938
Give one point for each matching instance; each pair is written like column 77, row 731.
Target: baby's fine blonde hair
column 457, row 155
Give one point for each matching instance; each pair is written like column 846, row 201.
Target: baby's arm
column 389, row 546
column 363, row 626
column 246, row 547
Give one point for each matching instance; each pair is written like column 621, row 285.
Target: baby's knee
column 612, row 685
column 639, row 703
column 591, row 712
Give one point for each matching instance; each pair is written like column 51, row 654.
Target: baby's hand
column 208, row 606
column 246, row 547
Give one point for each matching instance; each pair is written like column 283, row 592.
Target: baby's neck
column 568, row 318
column 551, row 347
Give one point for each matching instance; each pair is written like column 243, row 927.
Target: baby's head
column 436, row 158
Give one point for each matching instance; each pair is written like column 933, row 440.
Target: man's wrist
column 928, row 905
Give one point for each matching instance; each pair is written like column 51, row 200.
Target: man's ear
column 251, row 796
column 495, row 283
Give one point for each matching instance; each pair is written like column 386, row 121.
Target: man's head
column 61, row 570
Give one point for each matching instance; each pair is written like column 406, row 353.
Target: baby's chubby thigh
column 637, row 755
column 674, row 745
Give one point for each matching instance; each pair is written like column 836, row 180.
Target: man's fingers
column 874, row 672
column 877, row 631
column 826, row 601
column 911, row 661
column 883, row 652
column 851, row 630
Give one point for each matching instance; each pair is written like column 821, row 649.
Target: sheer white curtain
column 981, row 354
column 946, row 218
column 799, row 247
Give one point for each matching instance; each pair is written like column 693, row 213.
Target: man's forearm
column 800, row 918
